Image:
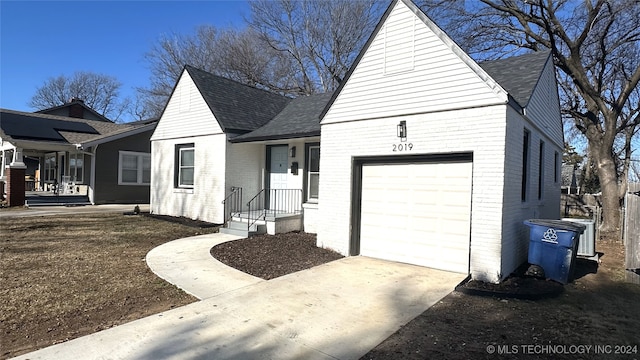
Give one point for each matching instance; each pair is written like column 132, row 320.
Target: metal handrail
column 232, row 204
column 256, row 206
column 279, row 201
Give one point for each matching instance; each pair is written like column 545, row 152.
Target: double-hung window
column 76, row 167
column 184, row 166
column 134, row 168
column 313, row 172
column 50, row 167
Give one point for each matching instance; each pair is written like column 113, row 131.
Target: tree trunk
column 610, row 227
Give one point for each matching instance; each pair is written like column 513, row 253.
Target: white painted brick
column 343, row 141
column 204, row 201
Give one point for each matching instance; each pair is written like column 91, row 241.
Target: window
column 525, row 165
column 313, row 171
column 184, row 171
column 134, row 168
column 556, row 166
column 541, row 171
column 50, row 167
column 76, row 167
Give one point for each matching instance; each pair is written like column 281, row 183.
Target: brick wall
column 204, row 200
column 480, row 131
column 15, row 186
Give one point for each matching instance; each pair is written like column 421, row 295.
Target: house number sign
column 402, row 147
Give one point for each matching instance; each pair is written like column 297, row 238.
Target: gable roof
column 499, row 75
column 301, row 118
column 570, row 176
column 518, row 75
column 236, row 106
column 73, row 103
column 17, row 126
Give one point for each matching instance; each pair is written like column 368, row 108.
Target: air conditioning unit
column 587, row 241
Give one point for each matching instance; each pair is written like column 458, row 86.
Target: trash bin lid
column 558, row 224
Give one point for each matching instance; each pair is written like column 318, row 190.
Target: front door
column 278, row 163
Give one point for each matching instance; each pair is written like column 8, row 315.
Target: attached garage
column 430, row 158
column 414, row 210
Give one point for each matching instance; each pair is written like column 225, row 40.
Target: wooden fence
column 631, row 233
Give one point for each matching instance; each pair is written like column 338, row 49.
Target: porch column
column 15, row 173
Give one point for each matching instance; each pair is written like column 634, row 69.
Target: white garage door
column 417, row 214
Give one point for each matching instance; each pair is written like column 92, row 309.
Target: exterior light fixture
column 402, row 130
column 292, row 151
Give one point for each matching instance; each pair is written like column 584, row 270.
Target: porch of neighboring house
column 53, row 178
column 53, row 198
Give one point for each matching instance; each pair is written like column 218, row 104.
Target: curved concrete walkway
column 339, row 310
column 187, row 263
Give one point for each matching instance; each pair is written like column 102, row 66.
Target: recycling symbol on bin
column 550, row 236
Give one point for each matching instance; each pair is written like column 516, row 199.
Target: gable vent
column 399, row 47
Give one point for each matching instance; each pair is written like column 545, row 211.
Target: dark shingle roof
column 20, row 125
column 301, row 118
column 73, row 102
column 570, row 176
column 236, row 106
column 518, row 75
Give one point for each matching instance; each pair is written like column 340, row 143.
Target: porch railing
column 273, row 202
column 232, row 204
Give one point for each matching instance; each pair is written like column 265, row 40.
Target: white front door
column 278, row 167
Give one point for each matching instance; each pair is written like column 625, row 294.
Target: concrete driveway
column 339, row 310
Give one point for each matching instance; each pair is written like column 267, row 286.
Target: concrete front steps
column 61, row 200
column 272, row 224
column 239, row 228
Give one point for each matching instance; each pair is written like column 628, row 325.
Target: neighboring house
column 75, row 108
column 421, row 156
column 107, row 162
column 570, row 177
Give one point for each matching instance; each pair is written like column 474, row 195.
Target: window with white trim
column 313, row 172
column 76, row 167
column 184, row 172
column 50, row 167
column 134, row 168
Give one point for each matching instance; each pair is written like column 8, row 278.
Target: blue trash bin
column 553, row 246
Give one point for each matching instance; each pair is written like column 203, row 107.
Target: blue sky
column 43, row 39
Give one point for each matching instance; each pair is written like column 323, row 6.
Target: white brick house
column 427, row 157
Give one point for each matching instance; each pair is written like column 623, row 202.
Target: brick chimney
column 76, row 108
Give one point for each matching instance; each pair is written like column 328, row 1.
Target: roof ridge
column 187, row 66
column 519, row 56
column 59, row 117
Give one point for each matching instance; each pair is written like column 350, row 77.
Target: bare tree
column 290, row 47
column 596, row 50
column 166, row 60
column 245, row 57
column 99, row 92
column 321, row 38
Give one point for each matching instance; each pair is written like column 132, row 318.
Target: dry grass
column 65, row 277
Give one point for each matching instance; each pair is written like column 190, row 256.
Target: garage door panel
column 417, row 213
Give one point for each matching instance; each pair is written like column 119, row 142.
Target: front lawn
column 62, row 277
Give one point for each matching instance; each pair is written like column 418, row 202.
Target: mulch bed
column 180, row 220
column 268, row 257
